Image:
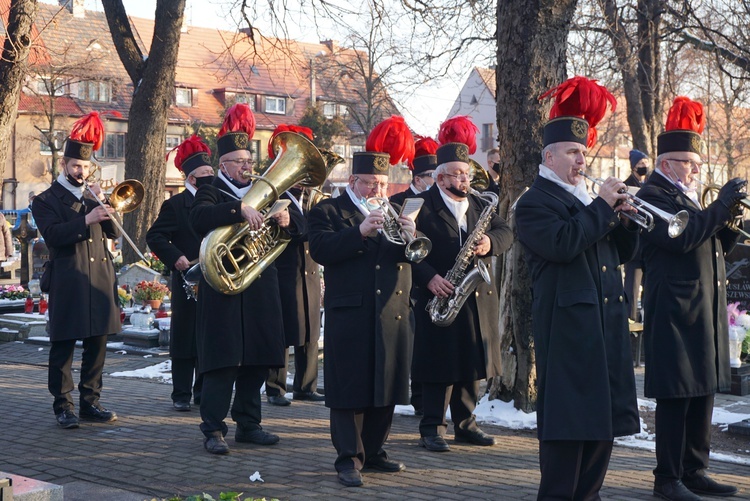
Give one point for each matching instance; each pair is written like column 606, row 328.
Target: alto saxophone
column 443, row 311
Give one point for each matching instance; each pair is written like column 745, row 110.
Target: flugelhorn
column 645, row 212
column 417, row 248
column 710, row 192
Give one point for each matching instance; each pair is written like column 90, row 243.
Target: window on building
column 58, row 137
column 248, row 99
column 276, row 105
column 183, row 96
column 49, row 86
column 173, row 141
column 331, row 110
column 255, row 151
column 488, row 136
column 340, row 150
column 90, row 90
column 114, row 145
column 356, row 149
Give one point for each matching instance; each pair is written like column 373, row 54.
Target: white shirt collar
column 296, row 201
column 457, row 207
column 691, row 193
column 414, row 189
column 239, row 192
column 190, row 187
column 359, row 203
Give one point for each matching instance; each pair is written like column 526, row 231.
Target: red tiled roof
column 38, row 53
column 64, row 105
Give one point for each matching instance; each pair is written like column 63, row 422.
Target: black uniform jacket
column 299, row 285
column 368, row 317
column 469, row 348
column 170, row 237
column 240, row 329
column 685, row 314
column 398, row 198
column 586, row 387
column 83, row 288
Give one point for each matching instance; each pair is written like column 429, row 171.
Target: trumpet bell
column 480, row 178
column 677, row 224
column 127, row 196
column 418, row 249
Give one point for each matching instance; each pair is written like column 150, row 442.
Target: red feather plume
column 424, row 146
column 583, row 98
column 302, row 131
column 392, row 136
column 686, row 114
column 88, row 129
column 187, row 149
column 459, row 129
column 238, row 118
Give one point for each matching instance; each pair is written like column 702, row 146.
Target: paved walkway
column 155, row 452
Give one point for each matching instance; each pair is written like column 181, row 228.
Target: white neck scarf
column 190, row 187
column 579, row 190
column 77, row 191
column 239, row 192
column 458, row 208
column 690, row 192
column 359, row 202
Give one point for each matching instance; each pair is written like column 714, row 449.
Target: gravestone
column 136, row 273
column 39, row 256
column 738, row 291
column 26, row 233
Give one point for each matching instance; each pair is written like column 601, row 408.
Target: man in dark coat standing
column 79, row 276
column 368, row 318
column 173, row 239
column 450, row 361
column 299, row 286
column 239, row 336
column 574, row 249
column 685, row 324
column 634, row 267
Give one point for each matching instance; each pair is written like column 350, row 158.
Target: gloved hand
column 731, row 193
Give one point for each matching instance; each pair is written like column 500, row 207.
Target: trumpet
column 710, row 192
column 645, row 212
column 417, row 248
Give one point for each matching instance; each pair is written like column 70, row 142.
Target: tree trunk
column 149, row 111
column 531, row 38
column 13, row 64
column 649, row 68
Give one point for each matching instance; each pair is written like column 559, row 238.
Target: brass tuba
column 233, row 257
column 480, row 178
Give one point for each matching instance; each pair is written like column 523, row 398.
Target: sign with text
column 738, row 276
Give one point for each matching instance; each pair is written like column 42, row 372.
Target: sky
column 424, row 109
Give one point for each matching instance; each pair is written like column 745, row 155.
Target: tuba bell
column 232, row 257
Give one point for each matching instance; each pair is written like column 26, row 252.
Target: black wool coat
column 685, row 297
column 170, row 237
column 242, row 329
column 469, row 348
column 299, row 286
column 398, row 198
column 368, row 317
column 83, row 289
column 586, row 386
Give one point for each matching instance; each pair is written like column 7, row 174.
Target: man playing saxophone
column 450, row 361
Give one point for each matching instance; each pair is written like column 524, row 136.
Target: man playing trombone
column 575, row 247
column 685, row 318
column 79, row 276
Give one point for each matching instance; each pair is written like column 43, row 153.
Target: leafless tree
column 13, row 65
column 153, row 76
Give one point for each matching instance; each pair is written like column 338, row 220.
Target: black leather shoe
column 674, row 491
column 434, row 443
column 279, row 400
column 382, row 463
column 216, row 445
column 312, row 396
column 98, row 413
column 67, row 420
column 257, row 436
column 476, row 437
column 350, row 478
column 703, row 484
column 181, row 406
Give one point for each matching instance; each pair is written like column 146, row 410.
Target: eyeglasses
column 686, row 163
column 372, row 186
column 467, row 177
column 240, row 162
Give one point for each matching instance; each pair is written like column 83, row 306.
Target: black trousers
column 217, row 395
column 572, row 470
column 359, row 434
column 187, row 381
column 416, row 397
column 305, row 372
column 461, row 397
column 683, row 436
column 60, row 375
